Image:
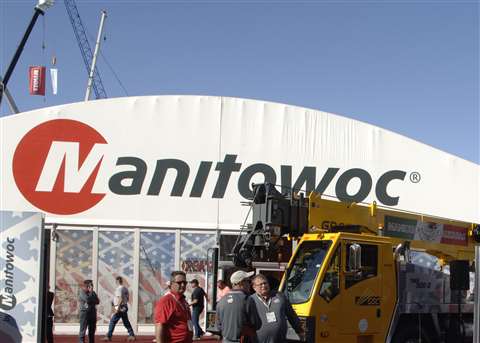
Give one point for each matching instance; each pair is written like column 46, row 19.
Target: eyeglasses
column 261, row 284
column 180, row 282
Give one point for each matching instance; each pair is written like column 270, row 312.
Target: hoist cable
column 43, row 56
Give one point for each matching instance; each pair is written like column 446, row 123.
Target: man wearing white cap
column 237, row 316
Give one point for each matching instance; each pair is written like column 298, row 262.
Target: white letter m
column 75, row 176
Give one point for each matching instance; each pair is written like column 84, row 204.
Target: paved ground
column 140, row 339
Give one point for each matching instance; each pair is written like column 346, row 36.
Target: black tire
column 411, row 335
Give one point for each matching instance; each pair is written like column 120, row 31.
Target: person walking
column 120, row 306
column 88, row 300
column 173, row 321
column 274, row 310
column 198, row 304
column 237, row 316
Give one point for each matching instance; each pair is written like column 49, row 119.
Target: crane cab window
column 303, row 270
column 331, row 282
column 368, row 268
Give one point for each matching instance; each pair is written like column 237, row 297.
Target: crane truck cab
column 351, row 287
column 360, row 273
column 344, row 282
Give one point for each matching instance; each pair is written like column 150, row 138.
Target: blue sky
column 408, row 66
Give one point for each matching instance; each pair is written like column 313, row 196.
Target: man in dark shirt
column 198, row 295
column 274, row 310
column 88, row 301
column 237, row 316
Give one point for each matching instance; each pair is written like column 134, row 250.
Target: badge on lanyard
column 271, row 317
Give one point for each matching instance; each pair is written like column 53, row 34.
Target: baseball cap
column 239, row 276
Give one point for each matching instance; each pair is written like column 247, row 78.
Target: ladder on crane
column 84, row 46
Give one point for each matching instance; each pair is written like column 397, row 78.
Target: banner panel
column 19, row 284
column 429, row 231
column 400, row 227
column 54, row 78
column 189, row 161
column 36, row 80
column 454, row 235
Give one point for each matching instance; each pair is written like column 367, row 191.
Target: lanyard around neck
column 179, row 302
column 266, row 304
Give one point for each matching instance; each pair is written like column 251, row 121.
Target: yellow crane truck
column 361, row 273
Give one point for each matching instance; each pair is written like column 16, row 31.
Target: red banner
column 454, row 235
column 196, row 265
column 37, row 80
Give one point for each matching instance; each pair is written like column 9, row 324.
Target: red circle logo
column 55, row 166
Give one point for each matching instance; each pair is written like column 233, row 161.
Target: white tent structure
column 141, row 186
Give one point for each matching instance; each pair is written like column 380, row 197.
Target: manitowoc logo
column 55, row 166
column 61, row 166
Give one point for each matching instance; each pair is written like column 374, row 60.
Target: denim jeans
column 197, row 330
column 114, row 320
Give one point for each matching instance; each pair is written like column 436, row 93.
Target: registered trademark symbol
column 415, row 177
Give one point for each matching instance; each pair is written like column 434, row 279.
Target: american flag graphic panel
column 193, row 258
column 73, row 266
column 20, row 277
column 157, row 260
column 115, row 258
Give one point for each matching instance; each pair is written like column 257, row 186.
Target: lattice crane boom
column 84, row 46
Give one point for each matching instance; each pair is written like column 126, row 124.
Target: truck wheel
column 410, row 335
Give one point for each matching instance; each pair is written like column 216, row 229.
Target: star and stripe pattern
column 157, row 261
column 115, row 258
column 193, row 254
column 22, row 229
column 193, row 259
column 73, row 266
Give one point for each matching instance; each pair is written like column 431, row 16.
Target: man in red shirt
column 173, row 321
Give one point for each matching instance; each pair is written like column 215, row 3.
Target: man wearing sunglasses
column 274, row 310
column 173, row 321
